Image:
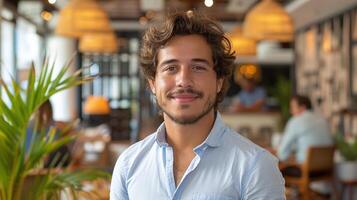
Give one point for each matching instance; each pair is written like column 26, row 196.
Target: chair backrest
column 320, row 158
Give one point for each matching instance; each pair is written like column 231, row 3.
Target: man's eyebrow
column 172, row 61
column 201, row 60
column 166, row 62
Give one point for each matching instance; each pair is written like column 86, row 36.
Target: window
column 28, row 44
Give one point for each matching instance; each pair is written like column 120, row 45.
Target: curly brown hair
column 188, row 23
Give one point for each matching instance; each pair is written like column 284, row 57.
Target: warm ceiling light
column 247, row 71
column 268, row 21
column 82, row 16
column 240, row 44
column 52, row 1
column 150, row 14
column 100, row 42
column 143, row 20
column 327, row 39
column 96, row 105
column 46, row 15
column 208, row 3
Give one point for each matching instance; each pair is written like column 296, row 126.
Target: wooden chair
column 317, row 166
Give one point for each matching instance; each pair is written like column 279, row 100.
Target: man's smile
column 185, row 98
column 185, row 95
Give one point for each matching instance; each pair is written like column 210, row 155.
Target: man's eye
column 170, row 68
column 198, row 68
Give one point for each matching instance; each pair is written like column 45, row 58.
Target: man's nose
column 184, row 77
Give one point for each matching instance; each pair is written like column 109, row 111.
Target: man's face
column 185, row 83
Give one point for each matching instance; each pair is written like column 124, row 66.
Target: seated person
column 250, row 99
column 41, row 122
column 303, row 130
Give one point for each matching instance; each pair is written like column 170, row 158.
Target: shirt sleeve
column 118, row 188
column 287, row 143
column 264, row 180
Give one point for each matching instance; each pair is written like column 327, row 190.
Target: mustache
column 171, row 94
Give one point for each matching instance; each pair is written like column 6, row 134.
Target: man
column 187, row 61
column 250, row 99
column 303, row 130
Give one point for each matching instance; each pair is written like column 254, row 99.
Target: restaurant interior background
column 310, row 48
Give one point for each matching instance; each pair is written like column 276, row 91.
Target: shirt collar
column 214, row 138
column 161, row 135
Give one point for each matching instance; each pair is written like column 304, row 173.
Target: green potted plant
column 18, row 163
column 347, row 147
column 282, row 92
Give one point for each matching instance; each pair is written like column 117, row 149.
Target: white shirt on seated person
column 303, row 130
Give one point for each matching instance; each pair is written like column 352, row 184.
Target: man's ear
column 219, row 84
column 152, row 85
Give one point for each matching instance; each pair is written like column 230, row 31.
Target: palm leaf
column 17, row 162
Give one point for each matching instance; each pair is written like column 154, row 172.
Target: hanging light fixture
column 327, row 38
column 247, row 71
column 82, row 16
column 240, row 44
column 96, row 105
column 268, row 21
column 99, row 42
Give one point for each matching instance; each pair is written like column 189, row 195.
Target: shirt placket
column 169, row 170
column 193, row 165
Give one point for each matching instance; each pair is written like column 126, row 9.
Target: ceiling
column 223, row 10
column 128, row 14
column 134, row 9
column 307, row 12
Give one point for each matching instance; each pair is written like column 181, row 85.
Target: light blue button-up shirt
column 226, row 166
column 301, row 132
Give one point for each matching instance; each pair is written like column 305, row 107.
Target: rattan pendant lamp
column 100, row 42
column 240, row 44
column 82, row 16
column 268, row 21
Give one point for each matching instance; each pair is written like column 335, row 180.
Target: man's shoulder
column 241, row 144
column 248, row 155
column 296, row 121
column 302, row 119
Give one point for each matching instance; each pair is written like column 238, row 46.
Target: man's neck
column 186, row 137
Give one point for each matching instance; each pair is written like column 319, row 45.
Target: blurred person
column 250, row 99
column 41, row 122
column 187, row 61
column 303, row 130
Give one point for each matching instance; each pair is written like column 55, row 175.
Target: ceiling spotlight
column 143, row 20
column 208, row 3
column 46, row 15
column 52, row 1
column 150, row 14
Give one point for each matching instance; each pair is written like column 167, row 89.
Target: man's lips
column 185, row 95
column 185, row 98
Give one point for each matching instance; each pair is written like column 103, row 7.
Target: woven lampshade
column 240, row 44
column 82, row 16
column 99, row 42
column 96, row 105
column 268, row 21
